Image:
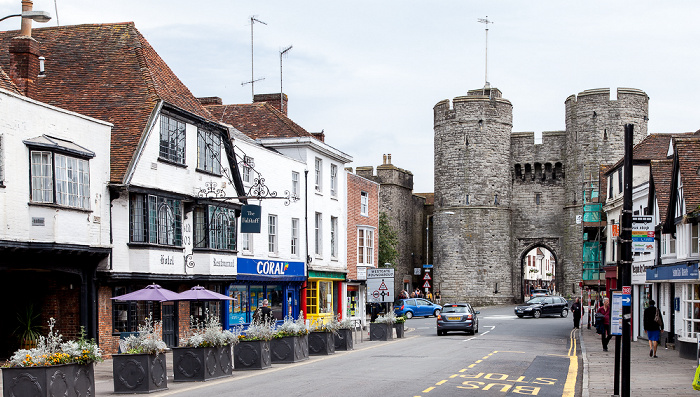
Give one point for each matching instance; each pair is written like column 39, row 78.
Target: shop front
column 277, row 281
column 324, row 295
column 676, row 289
column 641, row 293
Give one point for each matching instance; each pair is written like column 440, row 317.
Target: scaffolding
column 593, row 230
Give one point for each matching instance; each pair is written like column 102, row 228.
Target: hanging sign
column 642, row 234
column 250, row 218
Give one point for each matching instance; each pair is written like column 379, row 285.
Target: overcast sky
column 368, row 73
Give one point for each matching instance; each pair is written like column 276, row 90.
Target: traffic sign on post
column 427, row 276
column 426, row 285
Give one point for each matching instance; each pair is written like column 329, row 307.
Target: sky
column 368, row 73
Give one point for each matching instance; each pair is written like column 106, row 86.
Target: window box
column 202, row 363
column 55, row 380
column 289, row 349
column 139, row 373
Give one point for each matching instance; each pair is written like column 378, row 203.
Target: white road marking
column 501, row 317
column 483, row 333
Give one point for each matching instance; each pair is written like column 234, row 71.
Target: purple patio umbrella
column 199, row 293
column 153, row 292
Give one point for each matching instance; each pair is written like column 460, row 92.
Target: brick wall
column 357, row 185
column 108, row 342
column 63, row 304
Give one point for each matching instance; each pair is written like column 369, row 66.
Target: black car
column 543, row 305
column 458, row 317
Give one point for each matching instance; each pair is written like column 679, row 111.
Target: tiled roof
column 258, row 120
column 688, row 152
column 652, row 147
column 7, row 84
column 109, row 72
column 661, row 172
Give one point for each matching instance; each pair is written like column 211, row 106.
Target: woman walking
column 605, row 311
column 654, row 325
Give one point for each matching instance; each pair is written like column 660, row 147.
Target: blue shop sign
column 266, row 269
column 686, row 271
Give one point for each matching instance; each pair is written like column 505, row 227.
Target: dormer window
column 172, row 139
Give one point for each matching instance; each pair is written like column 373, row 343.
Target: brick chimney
column 274, row 100
column 24, row 55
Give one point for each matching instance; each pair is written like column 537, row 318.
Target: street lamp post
column 427, row 237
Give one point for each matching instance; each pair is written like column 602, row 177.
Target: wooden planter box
column 289, row 349
column 381, row 331
column 70, row 380
column 399, row 330
column 321, row 343
column 252, row 354
column 343, row 340
column 202, row 363
column 139, row 373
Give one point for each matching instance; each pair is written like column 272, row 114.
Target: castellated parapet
column 498, row 194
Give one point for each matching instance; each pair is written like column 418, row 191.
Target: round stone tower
column 595, row 127
column 472, row 219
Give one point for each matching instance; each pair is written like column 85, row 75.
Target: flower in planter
column 346, row 323
column 209, row 333
column 259, row 330
column 320, row 325
column 292, row 327
column 389, row 318
column 51, row 350
column 148, row 340
column 400, row 320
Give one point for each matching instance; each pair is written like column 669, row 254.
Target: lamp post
column 427, row 237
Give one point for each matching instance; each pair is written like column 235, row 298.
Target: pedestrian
column 429, row 296
column 263, row 314
column 374, row 312
column 654, row 325
column 605, row 311
column 577, row 310
column 437, row 297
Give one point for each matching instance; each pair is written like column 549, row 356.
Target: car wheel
column 520, row 316
column 436, row 312
column 409, row 314
column 536, row 314
column 565, row 312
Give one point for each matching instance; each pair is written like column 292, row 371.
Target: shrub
column 148, row 340
column 209, row 333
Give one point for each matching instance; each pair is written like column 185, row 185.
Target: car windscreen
column 539, row 299
column 454, row 309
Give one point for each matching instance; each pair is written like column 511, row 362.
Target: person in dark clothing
column 375, row 312
column 263, row 314
column 577, row 310
column 605, row 311
column 653, row 328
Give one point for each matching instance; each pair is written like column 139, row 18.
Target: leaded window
column 172, row 139
column 155, row 220
column 70, row 174
column 214, row 227
column 208, row 151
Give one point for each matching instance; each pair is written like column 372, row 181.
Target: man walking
column 577, row 311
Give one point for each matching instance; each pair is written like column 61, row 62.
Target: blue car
column 416, row 307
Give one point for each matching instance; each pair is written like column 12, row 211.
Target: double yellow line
column 570, row 385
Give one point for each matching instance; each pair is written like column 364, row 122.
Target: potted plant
column 253, row 349
column 291, row 341
column 206, row 353
column 53, row 367
column 383, row 327
column 322, row 338
column 29, row 329
column 142, row 368
column 399, row 326
column 343, row 337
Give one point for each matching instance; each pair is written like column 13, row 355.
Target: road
column 509, row 356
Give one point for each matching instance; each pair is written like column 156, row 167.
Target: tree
column 388, row 240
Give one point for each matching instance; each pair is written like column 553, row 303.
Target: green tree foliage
column 388, row 241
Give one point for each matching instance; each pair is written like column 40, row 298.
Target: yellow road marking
column 428, row 390
column 471, row 366
column 478, row 361
column 570, row 385
column 441, row 382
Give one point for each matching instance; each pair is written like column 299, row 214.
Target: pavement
column 667, row 375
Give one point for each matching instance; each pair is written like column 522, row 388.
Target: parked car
column 458, row 317
column 416, row 307
column 543, row 305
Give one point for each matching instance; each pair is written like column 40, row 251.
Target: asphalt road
column 509, row 356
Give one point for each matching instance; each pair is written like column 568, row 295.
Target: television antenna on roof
column 252, row 81
column 486, row 22
column 282, row 53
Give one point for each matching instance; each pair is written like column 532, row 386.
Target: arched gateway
column 506, row 193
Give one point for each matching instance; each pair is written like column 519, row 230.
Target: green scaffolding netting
column 591, row 260
column 591, row 212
